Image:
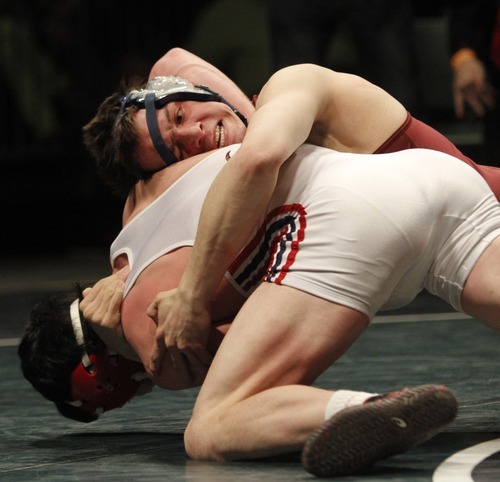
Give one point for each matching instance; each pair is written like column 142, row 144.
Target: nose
column 190, row 137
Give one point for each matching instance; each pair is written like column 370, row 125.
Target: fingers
column 123, row 273
column 152, row 310
column 195, row 360
column 102, row 302
column 182, row 333
column 160, row 351
column 197, row 369
column 157, row 356
column 475, row 102
column 472, row 90
column 201, row 354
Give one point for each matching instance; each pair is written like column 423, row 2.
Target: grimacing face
column 188, row 128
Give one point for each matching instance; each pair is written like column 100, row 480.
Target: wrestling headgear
column 160, row 91
column 101, row 381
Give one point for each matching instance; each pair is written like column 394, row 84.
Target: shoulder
column 146, row 191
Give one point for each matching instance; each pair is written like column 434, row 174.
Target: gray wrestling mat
column 143, row 441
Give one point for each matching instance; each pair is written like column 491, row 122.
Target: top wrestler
column 327, row 108
column 328, row 271
column 307, row 102
column 362, row 118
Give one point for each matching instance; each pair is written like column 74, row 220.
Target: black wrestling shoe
column 357, row 437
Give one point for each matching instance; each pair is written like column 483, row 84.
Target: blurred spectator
column 381, row 30
column 475, row 61
column 58, row 60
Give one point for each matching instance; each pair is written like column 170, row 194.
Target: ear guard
column 160, row 91
column 101, row 381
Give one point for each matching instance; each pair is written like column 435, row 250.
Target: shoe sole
column 357, row 437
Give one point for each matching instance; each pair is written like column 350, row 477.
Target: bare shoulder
column 311, row 76
column 146, row 191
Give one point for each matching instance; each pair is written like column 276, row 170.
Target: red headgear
column 102, row 381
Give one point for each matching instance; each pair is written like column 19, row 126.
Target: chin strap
column 160, row 91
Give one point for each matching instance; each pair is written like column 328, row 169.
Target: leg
column 255, row 401
column 481, row 294
column 281, row 340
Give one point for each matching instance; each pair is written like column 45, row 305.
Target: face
column 188, row 128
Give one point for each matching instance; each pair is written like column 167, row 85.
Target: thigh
column 281, row 336
column 481, row 293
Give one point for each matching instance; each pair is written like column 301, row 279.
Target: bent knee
column 201, row 439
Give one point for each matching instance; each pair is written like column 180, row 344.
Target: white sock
column 345, row 398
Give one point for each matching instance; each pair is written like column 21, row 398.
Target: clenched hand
column 182, row 329
column 101, row 303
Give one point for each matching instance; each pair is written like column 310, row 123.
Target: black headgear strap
column 151, row 104
column 154, row 131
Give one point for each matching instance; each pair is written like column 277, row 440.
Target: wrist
column 193, row 293
column 461, row 56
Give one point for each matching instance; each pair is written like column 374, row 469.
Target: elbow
column 176, row 55
column 171, row 63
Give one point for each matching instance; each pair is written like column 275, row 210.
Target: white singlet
column 365, row 231
column 169, row 222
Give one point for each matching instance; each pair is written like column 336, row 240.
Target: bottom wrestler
column 345, row 236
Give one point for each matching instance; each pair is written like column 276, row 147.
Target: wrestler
column 365, row 119
column 307, row 102
column 347, row 235
column 334, row 247
column 75, row 371
column 298, row 104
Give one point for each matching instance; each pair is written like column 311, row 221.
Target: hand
column 471, row 88
column 183, row 329
column 101, row 303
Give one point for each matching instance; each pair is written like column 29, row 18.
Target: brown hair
column 112, row 142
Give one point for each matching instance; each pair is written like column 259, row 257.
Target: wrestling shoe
column 357, row 437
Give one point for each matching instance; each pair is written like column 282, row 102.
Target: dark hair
column 49, row 352
column 113, row 143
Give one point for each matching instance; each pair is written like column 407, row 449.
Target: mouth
column 220, row 135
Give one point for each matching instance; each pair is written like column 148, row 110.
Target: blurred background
column 60, row 58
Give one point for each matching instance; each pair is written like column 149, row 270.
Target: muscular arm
column 184, row 64
column 238, row 197
column 299, row 103
column 236, row 201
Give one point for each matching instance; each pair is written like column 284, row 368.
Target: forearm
column 241, row 192
column 232, row 209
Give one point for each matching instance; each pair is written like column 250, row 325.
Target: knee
column 201, row 439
